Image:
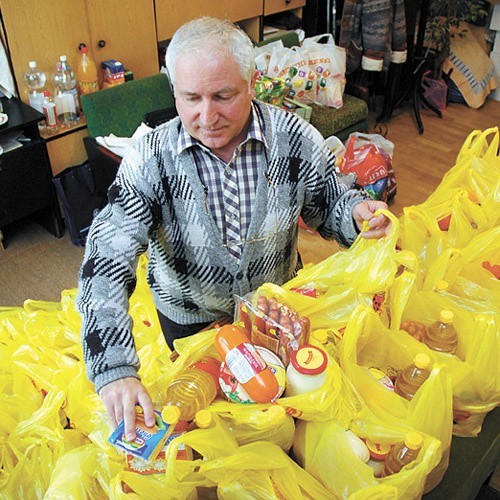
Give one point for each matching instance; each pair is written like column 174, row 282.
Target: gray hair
column 208, row 36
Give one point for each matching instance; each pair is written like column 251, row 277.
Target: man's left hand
column 364, row 211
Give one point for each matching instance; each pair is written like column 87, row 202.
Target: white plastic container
column 306, row 371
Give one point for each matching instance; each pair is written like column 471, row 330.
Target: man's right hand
column 120, row 398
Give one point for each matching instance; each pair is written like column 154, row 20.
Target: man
column 215, row 195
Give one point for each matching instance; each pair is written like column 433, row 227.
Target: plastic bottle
column 403, row 453
column 413, row 376
column 35, row 80
column 306, row 371
column 49, row 110
column 246, row 364
column 67, row 102
column 87, row 73
column 441, row 336
column 194, row 389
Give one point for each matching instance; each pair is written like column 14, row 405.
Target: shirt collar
column 255, row 131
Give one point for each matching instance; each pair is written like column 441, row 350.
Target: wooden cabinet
column 275, row 6
column 112, row 29
column 25, row 178
column 171, row 14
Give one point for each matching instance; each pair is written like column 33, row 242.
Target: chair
column 119, row 110
column 351, row 117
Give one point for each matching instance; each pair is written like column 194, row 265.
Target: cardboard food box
column 148, row 441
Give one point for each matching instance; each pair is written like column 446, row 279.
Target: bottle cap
column 413, row 440
column 62, row 58
column 422, row 360
column 442, row 285
column 46, row 93
column 203, row 419
column 170, row 414
column 84, row 50
column 309, row 360
column 32, row 64
column 446, row 316
column 378, row 451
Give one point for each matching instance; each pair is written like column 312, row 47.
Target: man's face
column 213, row 101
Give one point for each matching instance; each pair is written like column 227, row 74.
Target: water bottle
column 402, row 454
column 35, row 80
column 67, row 102
column 412, row 377
column 194, row 389
column 441, row 336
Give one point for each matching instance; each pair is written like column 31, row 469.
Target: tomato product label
column 244, row 362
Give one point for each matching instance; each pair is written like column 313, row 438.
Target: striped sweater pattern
column 157, row 203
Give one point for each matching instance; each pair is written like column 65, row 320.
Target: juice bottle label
column 88, row 87
column 244, row 362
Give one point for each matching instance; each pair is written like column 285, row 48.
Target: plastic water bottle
column 194, row 389
column 86, row 73
column 402, row 454
column 412, row 377
column 441, row 336
column 67, row 102
column 35, row 80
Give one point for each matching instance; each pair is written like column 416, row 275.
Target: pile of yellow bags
column 54, row 428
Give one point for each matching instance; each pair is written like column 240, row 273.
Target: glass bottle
column 413, row 376
column 402, row 454
column 441, row 336
column 49, row 110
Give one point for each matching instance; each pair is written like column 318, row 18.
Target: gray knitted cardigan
column 157, row 202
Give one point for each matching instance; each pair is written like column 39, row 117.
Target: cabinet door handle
column 101, row 43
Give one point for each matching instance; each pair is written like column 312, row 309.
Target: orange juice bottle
column 86, row 73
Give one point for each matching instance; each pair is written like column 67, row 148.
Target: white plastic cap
column 32, row 64
column 62, row 58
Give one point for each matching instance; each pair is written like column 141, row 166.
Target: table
column 472, row 461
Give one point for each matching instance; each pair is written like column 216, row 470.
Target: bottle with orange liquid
column 246, row 364
column 413, row 376
column 194, row 389
column 402, row 454
column 441, row 336
column 86, row 73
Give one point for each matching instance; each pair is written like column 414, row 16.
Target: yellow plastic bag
column 368, row 266
column 366, row 344
column 323, row 449
column 475, row 371
column 476, row 167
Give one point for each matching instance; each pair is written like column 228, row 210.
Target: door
column 124, row 30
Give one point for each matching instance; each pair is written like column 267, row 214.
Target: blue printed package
column 112, row 66
column 149, row 440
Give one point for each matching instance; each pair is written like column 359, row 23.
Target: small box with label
column 149, row 440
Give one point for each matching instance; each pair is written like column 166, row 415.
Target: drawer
column 171, row 14
column 274, row 6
